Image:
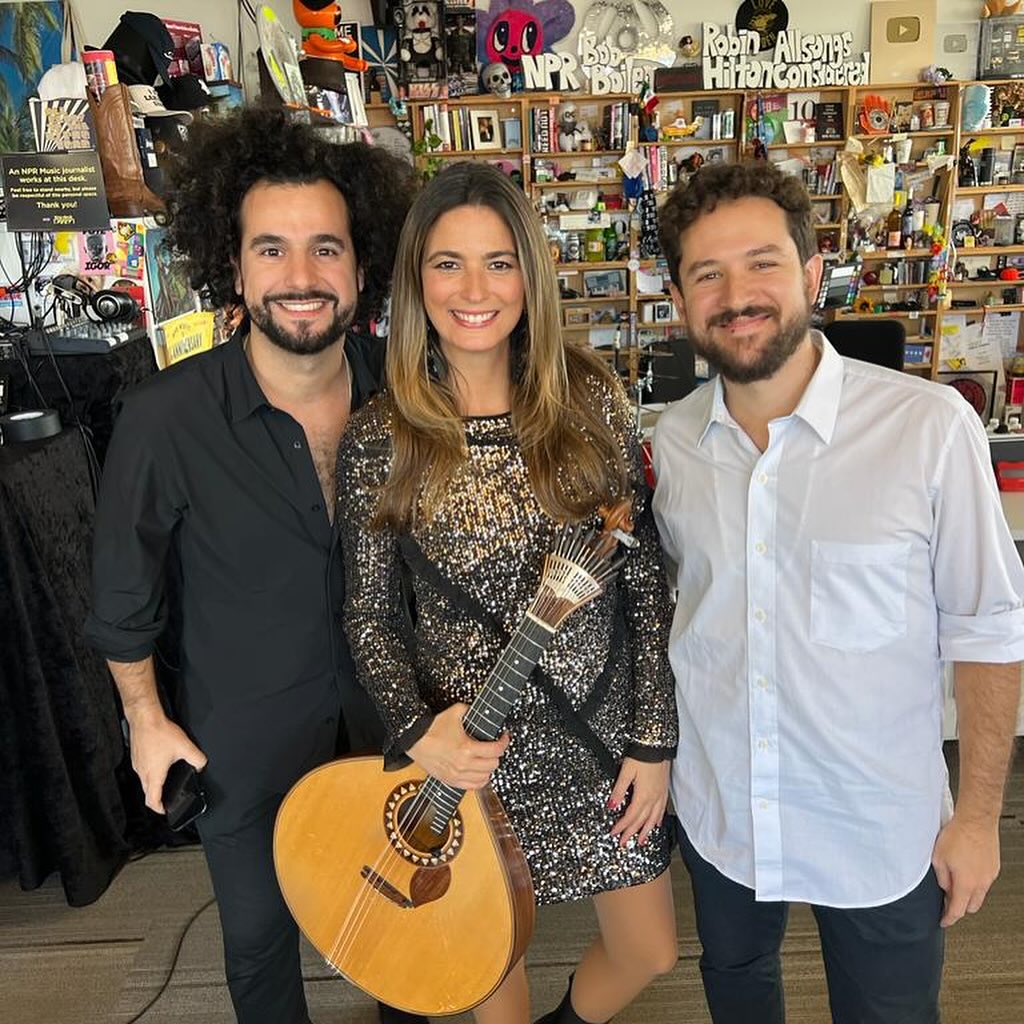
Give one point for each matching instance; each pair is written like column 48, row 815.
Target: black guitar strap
column 576, row 722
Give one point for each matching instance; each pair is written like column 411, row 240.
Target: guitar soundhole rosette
column 421, row 846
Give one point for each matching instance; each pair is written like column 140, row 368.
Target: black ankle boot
column 564, row 1013
column 389, row 1015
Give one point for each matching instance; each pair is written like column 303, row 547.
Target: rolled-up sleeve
column 138, row 509
column 979, row 579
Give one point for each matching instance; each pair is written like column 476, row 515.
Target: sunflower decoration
column 863, row 305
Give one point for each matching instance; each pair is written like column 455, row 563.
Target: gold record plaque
column 766, row 17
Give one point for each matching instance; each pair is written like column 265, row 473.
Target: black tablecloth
column 95, row 383
column 60, row 737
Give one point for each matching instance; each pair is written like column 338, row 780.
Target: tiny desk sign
column 54, row 192
column 186, row 335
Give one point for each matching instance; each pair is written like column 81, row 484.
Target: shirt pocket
column 858, row 594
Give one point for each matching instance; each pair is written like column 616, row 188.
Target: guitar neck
column 486, row 716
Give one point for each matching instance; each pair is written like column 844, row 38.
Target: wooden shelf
column 1003, row 308
column 987, row 283
column 991, row 250
column 891, row 314
column 806, row 145
column 689, row 140
column 897, row 254
column 984, row 190
column 462, row 154
column 971, row 132
column 647, row 324
column 653, row 297
column 828, row 226
column 892, row 287
column 825, row 196
column 573, row 183
column 925, row 133
column 562, row 268
column 575, row 153
column 917, row 367
column 594, row 302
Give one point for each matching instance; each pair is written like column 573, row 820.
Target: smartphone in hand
column 183, row 795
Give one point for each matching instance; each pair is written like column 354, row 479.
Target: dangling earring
column 437, row 365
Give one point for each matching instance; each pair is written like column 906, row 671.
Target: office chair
column 874, row 341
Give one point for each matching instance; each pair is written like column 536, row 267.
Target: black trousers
column 883, row 964
column 261, row 940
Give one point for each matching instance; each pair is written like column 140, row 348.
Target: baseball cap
column 185, row 92
column 142, row 47
column 145, row 101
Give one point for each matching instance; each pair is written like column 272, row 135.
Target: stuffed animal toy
column 421, row 43
column 320, row 21
column 572, row 132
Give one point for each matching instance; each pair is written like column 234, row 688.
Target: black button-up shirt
column 206, row 481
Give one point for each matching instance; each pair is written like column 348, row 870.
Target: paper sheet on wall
column 881, row 183
column 954, row 340
column 1000, row 334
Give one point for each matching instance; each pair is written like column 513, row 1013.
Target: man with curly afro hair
column 216, row 511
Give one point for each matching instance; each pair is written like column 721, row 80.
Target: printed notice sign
column 54, row 192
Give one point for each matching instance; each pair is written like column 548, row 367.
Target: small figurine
column 497, row 80
column 320, row 21
column 573, row 133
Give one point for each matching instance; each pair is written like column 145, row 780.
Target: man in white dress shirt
column 837, row 535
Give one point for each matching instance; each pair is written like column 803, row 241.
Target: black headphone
column 110, row 304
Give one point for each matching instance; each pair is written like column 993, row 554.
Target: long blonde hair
column 573, row 458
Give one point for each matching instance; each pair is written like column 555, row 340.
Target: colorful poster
column 167, row 279
column 30, row 35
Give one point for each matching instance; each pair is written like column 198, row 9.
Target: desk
column 60, row 738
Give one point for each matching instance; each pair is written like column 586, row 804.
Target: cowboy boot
column 127, row 192
column 564, row 1013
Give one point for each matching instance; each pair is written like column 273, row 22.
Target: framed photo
column 977, row 386
column 485, row 128
column 577, row 316
column 604, row 284
column 1017, row 164
column 511, row 133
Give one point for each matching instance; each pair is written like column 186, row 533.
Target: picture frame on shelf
column 1017, row 164
column 485, row 128
column 604, row 284
column 511, row 133
column 577, row 316
column 977, row 386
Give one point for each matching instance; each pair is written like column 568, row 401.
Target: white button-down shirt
column 821, row 584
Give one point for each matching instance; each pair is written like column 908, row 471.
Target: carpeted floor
column 102, row 964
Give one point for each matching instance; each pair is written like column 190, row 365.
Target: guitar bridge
column 385, row 888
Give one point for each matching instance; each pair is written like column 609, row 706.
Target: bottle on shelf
column 907, row 224
column 894, row 229
column 611, row 243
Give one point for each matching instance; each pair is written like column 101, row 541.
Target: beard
column 303, row 339
column 760, row 364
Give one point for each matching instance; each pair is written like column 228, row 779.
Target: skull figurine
column 497, row 79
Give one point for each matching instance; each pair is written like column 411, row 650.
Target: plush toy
column 421, row 43
column 999, row 8
column 572, row 132
column 320, row 21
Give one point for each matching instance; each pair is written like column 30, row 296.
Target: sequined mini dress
column 607, row 690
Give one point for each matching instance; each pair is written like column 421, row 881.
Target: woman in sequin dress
column 491, row 433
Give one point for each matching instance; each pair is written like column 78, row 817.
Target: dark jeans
column 261, row 941
column 883, row 964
